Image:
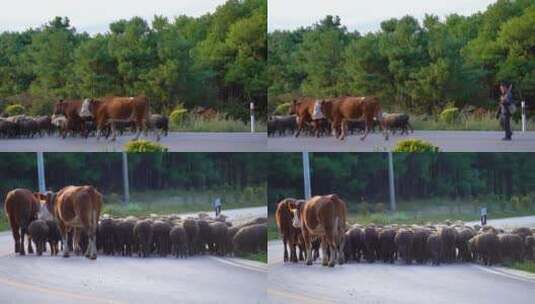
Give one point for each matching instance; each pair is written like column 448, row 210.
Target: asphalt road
column 175, row 142
column 381, row 283
column 447, row 141
column 206, row 279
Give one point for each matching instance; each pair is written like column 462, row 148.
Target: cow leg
column 16, row 236
column 300, row 125
column 332, row 249
column 324, row 253
column 30, row 248
column 284, row 243
column 366, row 130
column 113, row 131
column 64, row 238
column 341, row 244
column 308, row 247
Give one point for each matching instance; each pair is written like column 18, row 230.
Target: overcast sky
column 360, row 15
column 95, row 15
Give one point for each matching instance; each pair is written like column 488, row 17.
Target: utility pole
column 306, row 175
column 391, row 182
column 41, row 172
column 125, row 179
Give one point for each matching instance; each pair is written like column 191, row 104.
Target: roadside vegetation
column 528, row 266
column 219, row 123
column 259, row 257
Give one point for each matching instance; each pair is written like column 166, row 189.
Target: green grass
column 528, row 266
column 4, row 223
column 259, row 257
column 217, row 124
column 486, row 123
column 273, row 231
column 177, row 201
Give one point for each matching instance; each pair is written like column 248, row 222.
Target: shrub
column 177, row 116
column 15, row 109
column 144, row 146
column 363, row 209
column 415, row 145
column 282, row 109
column 450, row 115
column 379, row 208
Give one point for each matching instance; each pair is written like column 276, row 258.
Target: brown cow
column 118, row 109
column 323, row 217
column 343, row 109
column 303, row 109
column 78, row 208
column 291, row 236
column 21, row 207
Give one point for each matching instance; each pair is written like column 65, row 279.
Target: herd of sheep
column 438, row 244
column 287, row 125
column 159, row 236
column 23, row 126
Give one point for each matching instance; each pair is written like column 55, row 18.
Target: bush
column 450, row 115
column 379, row 208
column 363, row 209
column 15, row 109
column 414, row 145
column 177, row 116
column 144, row 146
column 282, row 109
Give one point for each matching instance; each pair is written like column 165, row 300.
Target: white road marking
column 239, row 264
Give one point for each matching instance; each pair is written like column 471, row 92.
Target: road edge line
column 504, row 273
column 243, row 265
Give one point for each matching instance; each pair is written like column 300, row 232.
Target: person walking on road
column 217, row 206
column 506, row 109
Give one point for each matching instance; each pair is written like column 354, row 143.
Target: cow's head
column 87, row 108
column 292, row 110
column 47, row 209
column 296, row 210
column 59, row 107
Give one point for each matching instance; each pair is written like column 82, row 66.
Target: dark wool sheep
column 419, row 245
column 463, row 236
column 125, row 237
column 434, row 247
column 371, row 243
column 179, row 241
column 38, row 231
column 205, row 236
column 387, row 245
column 143, row 235
column 251, row 239
column 54, row 236
column 192, row 231
column 524, row 233
column 529, row 247
column 106, row 231
column 403, row 240
column 218, row 236
column 356, row 243
column 162, row 243
column 448, row 236
column 255, row 221
column 511, row 246
column 487, row 246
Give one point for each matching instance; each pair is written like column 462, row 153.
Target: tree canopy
column 358, row 176
column 217, row 60
column 413, row 66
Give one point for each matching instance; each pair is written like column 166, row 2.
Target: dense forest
column 147, row 171
column 419, row 67
column 216, row 60
column 364, row 176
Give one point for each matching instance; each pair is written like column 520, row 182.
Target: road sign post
column 391, row 182
column 125, row 179
column 41, row 172
column 524, row 121
column 251, row 110
column 306, row 175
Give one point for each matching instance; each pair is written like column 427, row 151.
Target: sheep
column 403, row 240
column 463, row 236
column 54, row 236
column 161, row 239
column 38, row 231
column 448, row 236
column 125, row 237
column 250, row 239
column 387, row 245
column 218, row 238
column 511, row 246
column 371, row 243
column 487, row 247
column 144, row 235
column 179, row 241
column 192, row 231
column 434, row 247
column 419, row 245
